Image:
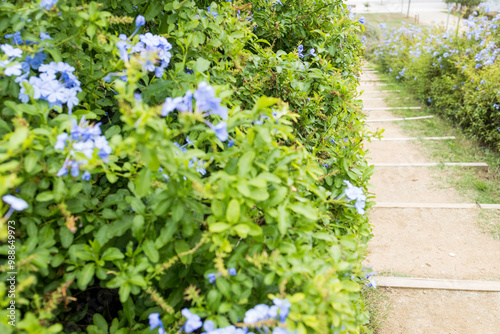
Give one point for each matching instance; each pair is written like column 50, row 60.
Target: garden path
column 425, row 242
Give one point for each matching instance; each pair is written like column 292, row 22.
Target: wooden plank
column 386, row 98
column 397, row 119
column 381, row 91
column 415, row 138
column 481, row 165
column 433, row 283
column 390, row 108
column 438, row 206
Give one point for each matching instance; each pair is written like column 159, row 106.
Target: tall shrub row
column 185, row 166
column 456, row 72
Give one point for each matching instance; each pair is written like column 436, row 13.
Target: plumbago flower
column 9, row 66
column 56, row 84
column 206, row 103
column 155, row 322
column 16, row 204
column 154, row 50
column 355, row 194
column 84, row 144
column 253, row 318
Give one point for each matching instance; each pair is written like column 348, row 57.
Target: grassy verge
column 377, row 303
column 475, row 185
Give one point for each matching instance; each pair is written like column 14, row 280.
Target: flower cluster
column 212, row 276
column 48, row 4
column 56, row 84
column 154, row 50
column 205, row 102
column 261, row 316
column 85, row 141
column 355, row 194
column 10, row 67
column 262, row 312
column 300, row 51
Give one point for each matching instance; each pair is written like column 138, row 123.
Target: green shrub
column 138, row 205
column 455, row 73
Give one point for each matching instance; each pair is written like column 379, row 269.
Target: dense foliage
column 456, row 73
column 189, row 162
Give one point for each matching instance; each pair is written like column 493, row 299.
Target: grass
column 473, row 184
column 377, row 303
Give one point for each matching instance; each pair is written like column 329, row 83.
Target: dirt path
column 426, row 243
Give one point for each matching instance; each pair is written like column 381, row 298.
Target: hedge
column 167, row 165
column 455, row 72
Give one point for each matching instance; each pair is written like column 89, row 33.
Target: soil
column 426, row 243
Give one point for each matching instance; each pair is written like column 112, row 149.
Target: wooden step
column 433, row 283
column 480, row 165
column 397, row 119
column 438, row 206
column 415, row 138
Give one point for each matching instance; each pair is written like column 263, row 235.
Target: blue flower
column 13, row 70
column 280, row 308
column 16, row 37
column 198, row 164
column 10, row 51
column 140, row 21
column 17, row 204
column 193, row 321
column 230, row 143
column 256, row 314
column 44, row 36
column 48, row 4
column 429, row 100
column 36, row 60
column 206, row 101
column 61, row 141
column 300, row 49
column 211, row 277
column 221, row 131
column 63, row 171
column 361, row 20
column 86, row 176
column 154, row 322
column 232, row 272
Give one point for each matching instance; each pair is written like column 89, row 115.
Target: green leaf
column 182, row 246
column 245, row 163
column 86, row 275
column 111, row 254
column 304, row 210
column 223, row 286
column 283, row 219
column 45, row 196
column 124, row 292
column 219, row 227
column 265, row 102
column 143, row 182
column 150, row 250
column 66, row 236
column 242, row 230
column 201, row 65
column 30, row 163
column 233, row 211
column 100, row 322
column 129, row 311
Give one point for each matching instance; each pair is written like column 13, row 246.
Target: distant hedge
column 456, row 72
